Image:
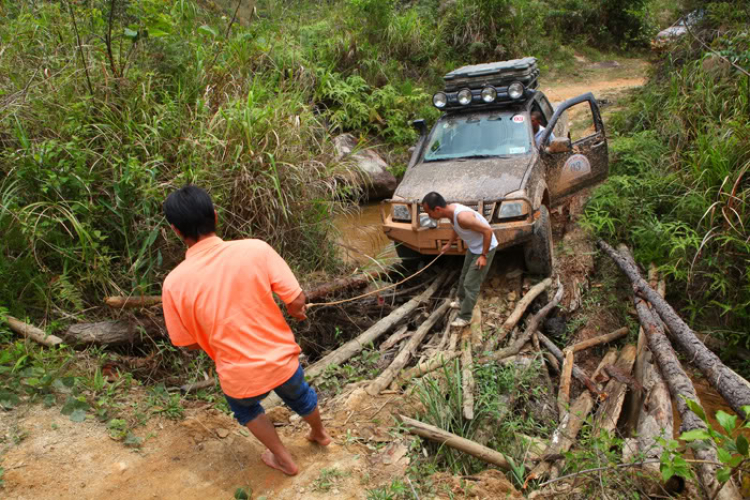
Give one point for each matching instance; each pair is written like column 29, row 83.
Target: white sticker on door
column 575, row 167
column 518, row 118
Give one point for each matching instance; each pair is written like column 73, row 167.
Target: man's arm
column 296, row 308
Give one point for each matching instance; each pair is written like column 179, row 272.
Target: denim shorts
column 295, row 392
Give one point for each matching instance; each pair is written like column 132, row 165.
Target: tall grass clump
column 105, row 112
column 678, row 191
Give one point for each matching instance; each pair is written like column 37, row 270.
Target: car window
column 472, row 136
column 582, row 121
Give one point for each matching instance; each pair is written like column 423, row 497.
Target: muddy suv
column 482, row 153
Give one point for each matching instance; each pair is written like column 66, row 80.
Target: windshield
column 497, row 134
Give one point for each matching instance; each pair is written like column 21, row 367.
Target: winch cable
column 373, row 292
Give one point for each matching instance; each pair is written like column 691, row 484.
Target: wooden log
column 398, row 363
column 354, row 346
column 577, row 372
column 461, row 444
column 338, row 285
column 602, row 339
column 476, row 326
column 133, row 301
column 681, row 388
column 447, row 331
column 347, row 283
column 432, row 364
column 609, row 359
column 195, row 386
column 31, row 332
column 656, row 420
column 609, row 412
column 734, row 391
column 563, row 395
column 531, row 327
column 394, row 339
column 634, row 399
column 516, row 315
column 467, row 365
column 556, row 464
column 114, row 333
column 565, row 434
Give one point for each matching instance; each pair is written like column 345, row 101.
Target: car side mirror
column 559, row 145
column 420, row 126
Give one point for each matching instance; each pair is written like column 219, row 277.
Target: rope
column 373, row 292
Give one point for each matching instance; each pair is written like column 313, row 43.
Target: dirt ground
column 207, row 455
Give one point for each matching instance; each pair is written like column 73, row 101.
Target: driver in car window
column 536, row 125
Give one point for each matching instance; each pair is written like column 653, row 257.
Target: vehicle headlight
column 427, row 221
column 440, row 100
column 515, row 90
column 489, row 94
column 511, row 209
column 464, row 97
column 401, row 213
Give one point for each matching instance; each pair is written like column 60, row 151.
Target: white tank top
column 473, row 239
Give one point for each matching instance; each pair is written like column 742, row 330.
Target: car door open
column 579, row 160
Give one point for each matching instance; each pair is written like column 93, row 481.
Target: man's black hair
column 191, row 211
column 433, row 200
column 537, row 115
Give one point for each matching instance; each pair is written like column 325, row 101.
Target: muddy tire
column 538, row 252
column 410, row 259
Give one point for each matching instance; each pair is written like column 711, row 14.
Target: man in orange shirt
column 221, row 299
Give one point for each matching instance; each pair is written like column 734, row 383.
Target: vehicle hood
column 465, row 180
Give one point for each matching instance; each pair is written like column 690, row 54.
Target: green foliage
column 328, row 479
column 731, row 446
column 678, row 190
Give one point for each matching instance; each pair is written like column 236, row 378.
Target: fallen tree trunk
column 531, row 327
column 733, row 389
column 32, row 332
column 385, row 378
column 461, row 444
column 394, row 339
column 656, row 419
column 634, row 400
column 602, row 339
column 609, row 412
column 114, row 333
column 354, row 346
column 563, row 395
column 600, row 375
column 438, row 361
column 577, row 372
column 120, row 302
column 565, row 434
column 682, row 388
column 467, row 376
column 516, row 315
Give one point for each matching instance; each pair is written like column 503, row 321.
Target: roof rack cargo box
column 497, row 74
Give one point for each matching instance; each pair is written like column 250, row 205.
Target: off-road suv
column 482, row 153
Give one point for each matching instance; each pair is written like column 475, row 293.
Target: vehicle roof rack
column 495, row 74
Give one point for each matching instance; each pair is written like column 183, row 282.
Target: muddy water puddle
column 712, row 402
column 361, row 239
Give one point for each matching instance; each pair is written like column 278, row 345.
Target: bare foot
column 322, row 439
column 290, row 469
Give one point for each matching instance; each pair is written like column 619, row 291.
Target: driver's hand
column 481, row 262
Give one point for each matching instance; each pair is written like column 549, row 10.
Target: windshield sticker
column 518, row 119
column 516, row 151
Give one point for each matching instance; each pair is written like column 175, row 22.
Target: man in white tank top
column 474, row 229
